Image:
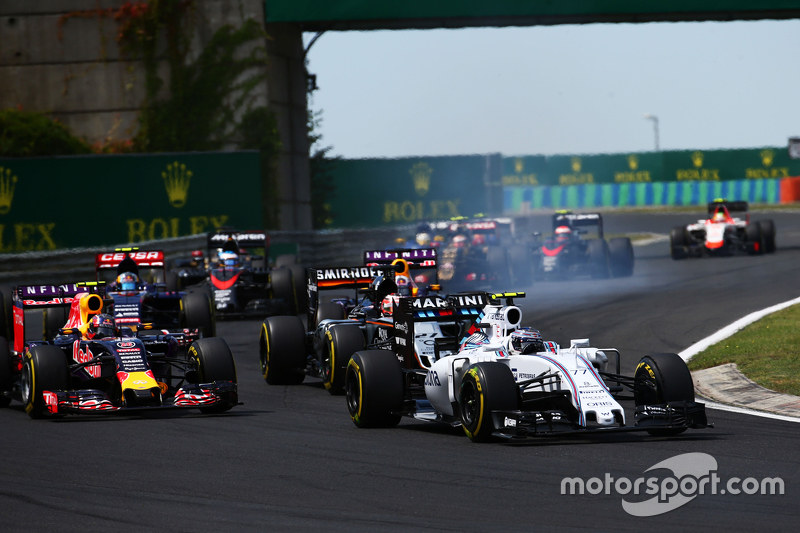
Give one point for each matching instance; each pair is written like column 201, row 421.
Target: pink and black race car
column 722, row 233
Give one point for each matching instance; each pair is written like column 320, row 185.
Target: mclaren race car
column 567, row 254
column 239, row 281
column 95, row 366
column 723, row 234
column 496, row 378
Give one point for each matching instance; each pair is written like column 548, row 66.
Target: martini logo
column 421, row 175
column 7, row 185
column 176, row 180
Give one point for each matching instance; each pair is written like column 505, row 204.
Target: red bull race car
column 94, row 365
column 722, row 233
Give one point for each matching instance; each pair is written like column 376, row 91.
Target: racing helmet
column 563, row 233
column 388, row 303
column 478, row 239
column 127, row 282
column 101, row 326
column 527, row 341
column 423, row 239
column 719, row 216
column 403, row 285
column 228, row 258
column 460, row 241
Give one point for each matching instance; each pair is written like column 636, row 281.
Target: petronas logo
column 176, row 180
column 421, row 174
column 697, row 159
column 7, row 185
column 766, row 157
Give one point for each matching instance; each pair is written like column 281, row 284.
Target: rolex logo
column 697, row 159
column 576, row 164
column 766, row 157
column 633, row 162
column 176, row 181
column 7, row 185
column 421, row 174
column 519, row 165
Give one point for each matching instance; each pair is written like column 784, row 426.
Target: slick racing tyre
column 282, row 350
column 486, row 387
column 282, row 283
column 53, row 319
column 300, row 282
column 198, row 313
column 341, row 342
column 5, row 372
column 6, row 313
column 172, row 281
column 328, row 311
column 662, row 378
column 768, row 231
column 215, row 363
column 598, row 258
column 285, row 260
column 621, row 257
column 44, row 369
column 755, row 239
column 678, row 242
column 520, row 259
column 374, row 388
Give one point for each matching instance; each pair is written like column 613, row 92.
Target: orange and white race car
column 723, row 234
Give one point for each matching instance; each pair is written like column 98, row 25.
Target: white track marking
column 744, row 411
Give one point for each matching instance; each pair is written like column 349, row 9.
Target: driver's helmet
column 719, row 216
column 404, row 286
column 478, row 239
column 388, row 303
column 127, row 282
column 229, row 259
column 527, row 341
column 101, row 326
column 563, row 233
column 460, row 241
column 423, row 239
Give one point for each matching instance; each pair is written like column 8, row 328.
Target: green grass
column 767, row 351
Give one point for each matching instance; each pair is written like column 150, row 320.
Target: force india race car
column 502, row 380
column 240, row 283
column 567, row 254
column 108, row 369
column 723, row 234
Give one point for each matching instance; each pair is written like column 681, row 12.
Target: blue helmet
column 527, row 341
column 229, row 259
column 127, row 282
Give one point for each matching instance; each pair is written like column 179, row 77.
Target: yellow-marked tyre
column 282, row 350
column 374, row 388
column 215, row 363
column 44, row 369
column 341, row 342
column 486, row 387
column 661, row 378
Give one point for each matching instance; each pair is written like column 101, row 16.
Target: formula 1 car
column 240, row 283
column 500, row 380
column 723, row 234
column 93, row 366
column 566, row 254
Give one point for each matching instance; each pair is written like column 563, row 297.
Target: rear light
column 471, row 277
column 421, row 279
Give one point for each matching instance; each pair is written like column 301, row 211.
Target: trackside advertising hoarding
column 62, row 202
column 382, row 192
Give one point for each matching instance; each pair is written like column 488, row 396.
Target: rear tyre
column 374, row 388
column 328, row 311
column 755, row 239
column 678, row 242
column 282, row 350
column 172, row 281
column 341, row 342
column 5, row 372
column 599, row 258
column 486, row 387
column 53, row 319
column 6, row 312
column 300, row 286
column 768, row 231
column 282, row 283
column 662, row 378
column 198, row 313
column 520, row 259
column 215, row 363
column 286, row 260
column 44, row 369
column 620, row 251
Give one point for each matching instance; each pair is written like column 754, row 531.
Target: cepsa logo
column 136, row 256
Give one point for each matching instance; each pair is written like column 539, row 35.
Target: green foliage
column 25, row 134
column 258, row 130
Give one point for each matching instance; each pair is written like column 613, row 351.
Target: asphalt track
column 290, row 459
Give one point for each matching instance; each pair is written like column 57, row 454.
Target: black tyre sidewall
column 599, row 258
column 300, row 286
column 341, row 342
column 328, row 311
column 495, row 389
column 285, row 260
column 215, row 363
column 768, row 231
column 50, row 372
column 620, row 251
column 5, row 372
column 282, row 350
column 374, row 385
column 671, row 376
column 282, row 283
column 198, row 312
column 53, row 319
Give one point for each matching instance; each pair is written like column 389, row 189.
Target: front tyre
column 662, row 378
column 374, row 388
column 282, row 350
column 486, row 387
column 215, row 363
column 341, row 342
column 44, row 369
column 282, row 283
column 678, row 243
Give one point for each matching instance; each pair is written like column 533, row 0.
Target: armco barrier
column 677, row 193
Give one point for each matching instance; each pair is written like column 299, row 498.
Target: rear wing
column 577, row 220
column 465, row 307
column 732, row 207
column 245, row 239
column 145, row 258
column 43, row 296
column 416, row 258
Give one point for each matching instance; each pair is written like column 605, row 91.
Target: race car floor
column 290, row 459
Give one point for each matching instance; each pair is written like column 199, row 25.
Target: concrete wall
column 75, row 73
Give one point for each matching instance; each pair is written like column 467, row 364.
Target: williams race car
column 723, row 234
column 566, row 254
column 95, row 366
column 498, row 379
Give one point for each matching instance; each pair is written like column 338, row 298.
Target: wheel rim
column 469, row 402
column 352, row 392
column 27, row 378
